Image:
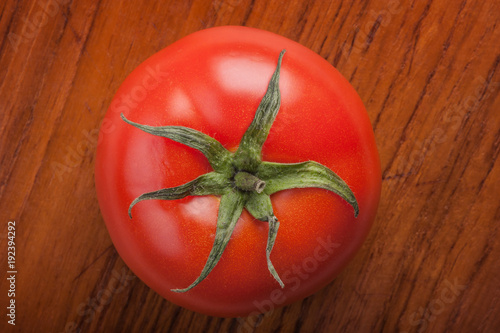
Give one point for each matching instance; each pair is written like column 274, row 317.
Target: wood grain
column 428, row 73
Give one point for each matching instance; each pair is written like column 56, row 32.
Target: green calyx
column 242, row 179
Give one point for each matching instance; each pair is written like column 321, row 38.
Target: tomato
column 212, row 82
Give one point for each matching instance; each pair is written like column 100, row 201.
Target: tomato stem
column 247, row 182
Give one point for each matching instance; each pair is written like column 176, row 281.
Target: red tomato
column 213, row 81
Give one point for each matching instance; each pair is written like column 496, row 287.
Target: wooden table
column 429, row 75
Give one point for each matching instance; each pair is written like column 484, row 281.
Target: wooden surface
column 429, row 75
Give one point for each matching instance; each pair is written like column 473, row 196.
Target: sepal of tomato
column 240, row 178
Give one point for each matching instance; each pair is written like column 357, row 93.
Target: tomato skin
column 213, row 81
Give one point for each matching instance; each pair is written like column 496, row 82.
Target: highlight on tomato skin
column 189, row 135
